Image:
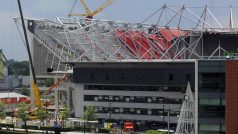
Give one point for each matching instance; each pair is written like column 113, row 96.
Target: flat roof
column 11, row 95
column 126, row 62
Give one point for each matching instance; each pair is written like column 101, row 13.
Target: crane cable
column 72, row 8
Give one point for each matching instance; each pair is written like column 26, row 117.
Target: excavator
column 89, row 14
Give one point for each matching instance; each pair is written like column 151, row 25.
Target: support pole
column 169, row 120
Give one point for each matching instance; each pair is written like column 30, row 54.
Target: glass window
column 138, row 111
column 121, row 110
column 223, row 102
column 100, row 97
column 110, row 98
column 149, row 112
column 95, row 98
column 214, row 127
column 132, row 98
column 204, row 102
column 223, row 128
column 154, row 98
column 204, row 127
column 127, row 99
column 149, row 100
column 171, row 77
column 214, row 101
column 132, row 110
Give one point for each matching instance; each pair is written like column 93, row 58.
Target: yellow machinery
column 89, row 14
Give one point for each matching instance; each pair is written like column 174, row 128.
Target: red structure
column 231, row 97
column 149, row 46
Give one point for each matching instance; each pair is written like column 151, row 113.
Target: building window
column 132, row 98
column 155, row 76
column 138, row 111
column 107, row 77
column 121, row 110
column 117, row 110
column 171, row 77
column 132, row 110
column 214, row 127
column 149, row 100
column 223, row 128
column 223, row 102
column 149, row 112
column 100, row 98
column 95, row 98
column 127, row 99
column 110, row 98
column 188, row 77
column 92, row 77
column 122, row 76
column 215, row 102
column 204, row 127
column 116, row 98
column 138, row 76
column 204, row 102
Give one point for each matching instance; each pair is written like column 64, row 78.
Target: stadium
column 140, row 72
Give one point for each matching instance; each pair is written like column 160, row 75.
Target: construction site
column 177, row 75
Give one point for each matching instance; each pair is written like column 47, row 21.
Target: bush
column 154, row 132
column 104, row 130
column 6, row 125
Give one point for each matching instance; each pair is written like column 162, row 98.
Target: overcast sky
column 125, row 10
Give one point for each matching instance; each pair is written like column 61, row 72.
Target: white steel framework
column 178, row 34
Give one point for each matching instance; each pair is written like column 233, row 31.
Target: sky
column 124, row 10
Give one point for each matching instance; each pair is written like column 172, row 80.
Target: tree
column 65, row 115
column 18, row 67
column 23, row 113
column 89, row 114
column 24, row 91
column 49, row 82
column 41, row 114
column 2, row 111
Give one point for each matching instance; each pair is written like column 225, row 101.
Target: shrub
column 104, row 130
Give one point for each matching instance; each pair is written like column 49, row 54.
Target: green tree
column 18, row 67
column 2, row 111
column 65, row 115
column 154, row 132
column 49, row 82
column 89, row 114
column 41, row 114
column 23, row 113
column 24, row 91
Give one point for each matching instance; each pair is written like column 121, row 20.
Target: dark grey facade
column 211, row 97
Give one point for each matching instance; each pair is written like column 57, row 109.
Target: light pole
column 163, row 117
column 121, row 124
column 109, row 114
column 168, row 120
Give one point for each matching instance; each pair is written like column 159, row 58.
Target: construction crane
column 35, row 87
column 34, row 83
column 89, row 14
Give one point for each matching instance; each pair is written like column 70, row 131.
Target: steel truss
column 82, row 40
